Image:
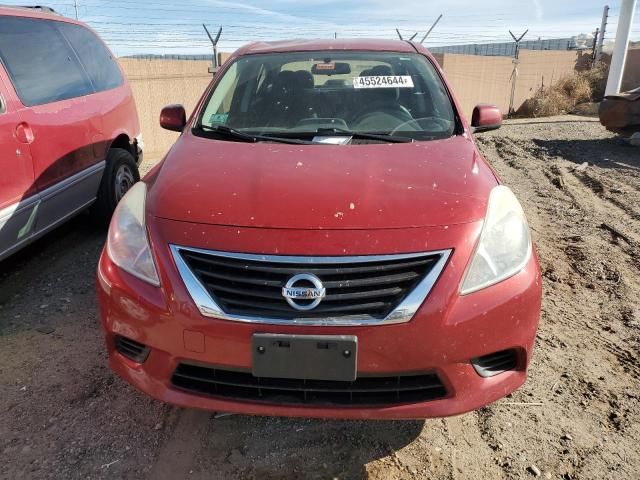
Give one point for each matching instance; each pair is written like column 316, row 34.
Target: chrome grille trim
column 403, row 313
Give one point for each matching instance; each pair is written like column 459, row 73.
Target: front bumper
column 444, row 335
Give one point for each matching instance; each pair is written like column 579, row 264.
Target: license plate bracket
column 309, row 357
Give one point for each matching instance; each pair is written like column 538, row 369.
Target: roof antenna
column 399, row 34
column 432, row 27
column 215, row 66
column 413, row 36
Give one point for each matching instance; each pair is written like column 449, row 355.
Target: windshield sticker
column 390, row 81
column 220, row 118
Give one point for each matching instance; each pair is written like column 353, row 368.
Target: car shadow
column 69, row 246
column 59, row 264
column 615, row 153
column 284, row 448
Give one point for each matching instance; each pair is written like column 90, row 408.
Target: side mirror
column 173, row 117
column 485, row 118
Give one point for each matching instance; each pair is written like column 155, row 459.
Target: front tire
column 120, row 174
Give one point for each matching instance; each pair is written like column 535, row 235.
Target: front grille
column 495, row 363
column 355, row 286
column 374, row 391
column 131, row 349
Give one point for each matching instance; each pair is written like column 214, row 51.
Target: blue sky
column 164, row 26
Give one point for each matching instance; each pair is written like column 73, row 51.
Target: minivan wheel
column 120, row 174
column 125, row 178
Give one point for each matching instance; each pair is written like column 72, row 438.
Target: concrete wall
column 156, row 83
column 478, row 79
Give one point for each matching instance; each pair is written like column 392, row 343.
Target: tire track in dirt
column 585, row 367
column 617, row 281
column 469, row 453
column 177, row 456
column 576, row 194
column 601, row 190
column 484, row 417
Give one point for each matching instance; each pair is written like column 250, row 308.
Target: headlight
column 504, row 247
column 127, row 242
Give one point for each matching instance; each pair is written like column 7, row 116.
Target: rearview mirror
column 173, row 117
column 485, row 118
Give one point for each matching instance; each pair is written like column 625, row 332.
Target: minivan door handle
column 24, row 134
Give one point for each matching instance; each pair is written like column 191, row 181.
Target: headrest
column 381, row 71
column 304, row 79
column 284, row 82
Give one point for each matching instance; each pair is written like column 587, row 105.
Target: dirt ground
column 63, row 414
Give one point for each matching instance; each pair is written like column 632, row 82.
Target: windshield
column 303, row 94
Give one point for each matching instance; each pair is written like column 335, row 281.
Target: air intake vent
column 361, row 392
column 131, row 349
column 495, row 363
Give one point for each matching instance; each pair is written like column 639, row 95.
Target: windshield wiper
column 383, row 137
column 228, row 132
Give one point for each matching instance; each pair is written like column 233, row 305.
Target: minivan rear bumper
column 444, row 336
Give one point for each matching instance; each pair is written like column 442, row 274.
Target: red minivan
column 69, row 132
column 323, row 240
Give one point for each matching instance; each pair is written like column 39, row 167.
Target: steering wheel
column 381, row 119
column 396, row 110
column 416, row 122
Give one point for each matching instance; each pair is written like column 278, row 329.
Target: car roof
column 368, row 44
column 35, row 12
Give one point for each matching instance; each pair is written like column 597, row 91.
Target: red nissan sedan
column 323, row 240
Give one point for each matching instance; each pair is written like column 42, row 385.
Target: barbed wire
column 164, row 24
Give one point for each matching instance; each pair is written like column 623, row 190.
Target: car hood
column 371, row 186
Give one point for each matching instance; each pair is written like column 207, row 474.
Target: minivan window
column 42, row 66
column 96, row 58
column 299, row 94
